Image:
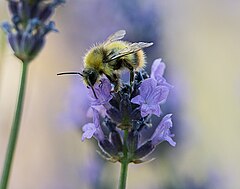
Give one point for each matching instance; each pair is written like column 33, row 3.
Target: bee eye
column 91, row 77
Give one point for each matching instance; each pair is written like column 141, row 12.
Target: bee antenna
column 94, row 93
column 65, row 73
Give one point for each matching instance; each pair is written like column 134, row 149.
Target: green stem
column 14, row 130
column 124, row 164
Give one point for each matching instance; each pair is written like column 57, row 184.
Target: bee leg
column 117, row 86
column 115, row 80
column 131, row 76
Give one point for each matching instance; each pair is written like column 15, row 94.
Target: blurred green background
column 200, row 43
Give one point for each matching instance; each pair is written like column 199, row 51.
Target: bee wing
column 132, row 48
column 116, row 36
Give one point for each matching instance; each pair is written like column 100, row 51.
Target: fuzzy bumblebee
column 110, row 58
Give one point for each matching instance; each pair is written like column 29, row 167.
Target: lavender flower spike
column 29, row 27
column 157, row 71
column 151, row 95
column 93, row 129
column 162, row 132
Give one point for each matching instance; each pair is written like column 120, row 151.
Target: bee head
column 90, row 76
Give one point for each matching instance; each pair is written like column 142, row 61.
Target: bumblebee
column 110, row 58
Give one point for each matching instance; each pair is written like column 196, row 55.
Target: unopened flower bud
column 108, row 147
column 132, row 140
column 144, row 150
column 116, row 140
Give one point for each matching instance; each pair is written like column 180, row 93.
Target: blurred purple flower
column 30, row 25
column 103, row 93
column 157, row 71
column 162, row 132
column 93, row 129
column 150, row 97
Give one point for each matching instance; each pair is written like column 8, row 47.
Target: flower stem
column 124, row 164
column 14, row 130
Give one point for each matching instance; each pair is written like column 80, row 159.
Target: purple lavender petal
column 162, row 132
column 137, row 100
column 159, row 94
column 147, row 87
column 150, row 109
column 156, row 110
column 157, row 69
column 144, row 110
column 99, row 134
column 101, row 110
column 103, row 92
column 88, row 130
column 170, row 140
column 157, row 72
column 150, row 97
column 165, row 122
column 93, row 129
column 162, row 81
column 106, row 86
column 96, row 120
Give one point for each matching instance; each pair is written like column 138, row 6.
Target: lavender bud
column 24, row 10
column 114, row 114
column 125, row 106
column 109, row 124
column 7, row 28
column 36, row 47
column 12, row 41
column 144, row 123
column 13, row 6
column 144, row 150
column 57, row 3
column 35, row 8
column 107, row 147
column 49, row 27
column 136, row 114
column 116, row 140
column 133, row 140
column 27, row 32
column 115, row 101
column 16, row 20
column 45, row 13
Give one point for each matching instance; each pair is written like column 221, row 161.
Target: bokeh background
column 200, row 43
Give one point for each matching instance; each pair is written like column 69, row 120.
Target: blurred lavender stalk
column 91, row 172
column 26, row 36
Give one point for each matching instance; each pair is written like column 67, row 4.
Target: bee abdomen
column 139, row 59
